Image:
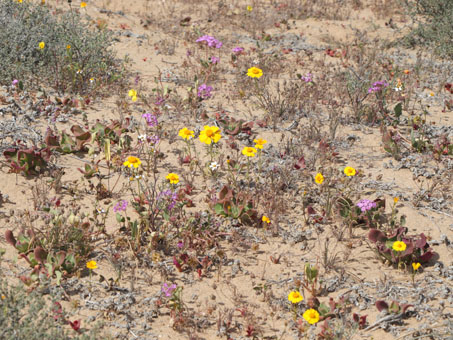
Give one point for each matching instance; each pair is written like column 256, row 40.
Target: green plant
column 28, row 316
column 436, row 27
column 75, row 57
column 55, row 250
column 416, row 250
column 236, row 205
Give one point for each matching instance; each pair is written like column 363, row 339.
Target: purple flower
column 238, row 50
column 153, row 139
column 14, row 82
column 204, row 91
column 167, row 290
column 180, row 244
column 210, row 41
column 171, row 197
column 151, row 120
column 308, row 78
column 366, row 205
column 120, row 206
column 215, row 60
column 159, row 101
column 377, row 86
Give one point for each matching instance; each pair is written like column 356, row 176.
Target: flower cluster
column 366, row 205
column 120, row 206
column 204, row 91
column 238, row 50
column 308, row 78
column 378, row 86
column 149, row 139
column 151, row 120
column 210, row 41
column 172, row 197
column 167, row 290
column 215, row 60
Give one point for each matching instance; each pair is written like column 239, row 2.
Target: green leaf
column 119, row 218
column 59, row 276
column 398, row 109
column 219, row 209
column 323, row 309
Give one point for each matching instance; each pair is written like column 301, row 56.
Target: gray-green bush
column 87, row 64
column 436, row 27
column 28, row 316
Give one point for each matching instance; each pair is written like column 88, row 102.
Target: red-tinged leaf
column 405, row 307
column 300, row 163
column 421, row 242
column 75, row 325
column 381, row 305
column 40, row 254
column 426, row 257
column 9, row 236
column 362, row 321
column 376, row 235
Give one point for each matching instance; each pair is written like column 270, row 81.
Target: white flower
column 398, row 88
column 142, row 138
column 214, row 166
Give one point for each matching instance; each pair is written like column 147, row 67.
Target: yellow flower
column 42, row 44
column 249, row 8
column 319, row 178
column 132, row 162
column 415, row 266
column 266, row 219
column 68, row 47
column 295, row 297
column 83, row 4
column 348, row 171
column 210, row 134
column 92, row 265
column 133, row 94
column 172, row 178
column 311, row 316
column 254, row 72
column 431, row 94
column 395, row 200
column 399, row 246
column 259, row 143
column 185, row 133
column 249, row 151
column 3, row 297
column 19, row 1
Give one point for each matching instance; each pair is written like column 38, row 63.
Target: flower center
column 209, row 133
